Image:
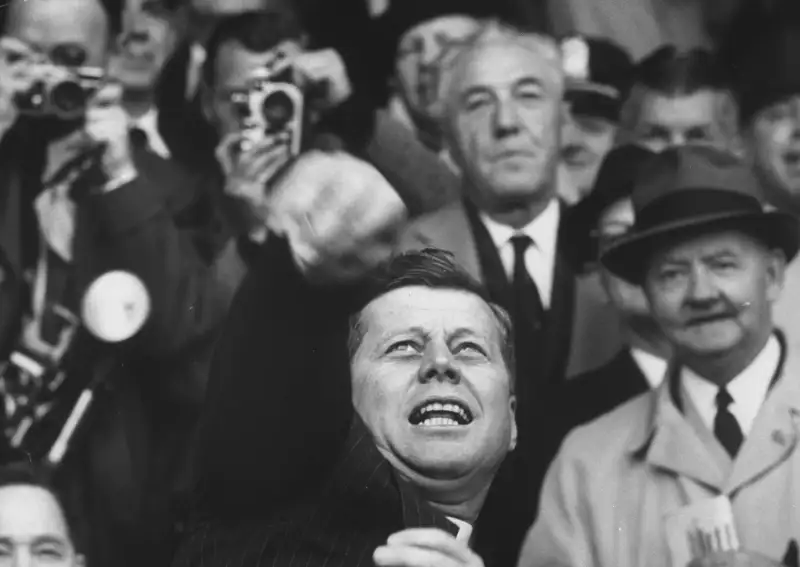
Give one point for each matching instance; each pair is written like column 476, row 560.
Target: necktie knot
column 521, row 243
column 724, row 399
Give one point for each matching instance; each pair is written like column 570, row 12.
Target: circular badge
column 116, row 306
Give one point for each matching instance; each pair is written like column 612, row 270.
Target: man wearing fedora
column 603, row 218
column 723, row 430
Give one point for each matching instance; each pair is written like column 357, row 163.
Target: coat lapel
column 676, row 447
column 775, row 433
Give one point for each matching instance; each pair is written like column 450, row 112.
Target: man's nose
column 702, row 289
column 506, row 118
column 437, row 364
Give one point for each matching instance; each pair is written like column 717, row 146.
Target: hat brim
column 628, row 259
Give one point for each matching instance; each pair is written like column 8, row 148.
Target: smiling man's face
column 431, row 383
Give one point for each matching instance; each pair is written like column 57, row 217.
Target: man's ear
column 513, row 409
column 776, row 270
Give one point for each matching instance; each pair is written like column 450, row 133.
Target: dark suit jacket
column 286, row 474
column 149, row 227
column 597, row 392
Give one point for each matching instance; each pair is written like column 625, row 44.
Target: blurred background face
column 425, row 346
column 504, row 121
column 585, row 141
column 698, row 289
column 69, row 32
column 664, row 121
column 775, row 143
column 148, row 40
column 629, row 300
column 421, row 56
column 235, row 65
column 33, row 530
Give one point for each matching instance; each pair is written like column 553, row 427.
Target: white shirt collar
column 541, row 257
column 653, row 367
column 148, row 123
column 749, row 389
column 464, row 529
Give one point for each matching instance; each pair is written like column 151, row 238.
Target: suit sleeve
column 561, row 535
column 279, row 405
column 135, row 230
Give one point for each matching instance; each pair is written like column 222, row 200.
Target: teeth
column 439, row 422
column 453, row 408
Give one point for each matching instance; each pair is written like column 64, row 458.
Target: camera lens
column 68, row 97
column 278, row 110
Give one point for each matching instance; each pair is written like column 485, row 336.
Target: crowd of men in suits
column 492, row 297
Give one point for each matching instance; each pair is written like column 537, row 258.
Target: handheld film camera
column 59, row 91
column 271, row 105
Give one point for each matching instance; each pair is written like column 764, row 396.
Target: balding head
column 77, row 25
column 503, row 102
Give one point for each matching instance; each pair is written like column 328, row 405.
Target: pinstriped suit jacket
column 286, row 474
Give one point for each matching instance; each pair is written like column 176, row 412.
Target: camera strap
column 50, row 330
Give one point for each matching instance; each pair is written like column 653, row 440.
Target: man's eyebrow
column 462, row 332
column 416, row 331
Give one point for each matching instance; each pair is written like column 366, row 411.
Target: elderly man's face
column 585, row 141
column 713, row 293
column 147, row 42
column 234, row 68
column 668, row 121
column 430, row 382
column 775, row 141
column 33, row 530
column 504, row 122
column 421, row 58
column 615, row 222
column 68, row 32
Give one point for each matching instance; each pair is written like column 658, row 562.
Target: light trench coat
column 607, row 493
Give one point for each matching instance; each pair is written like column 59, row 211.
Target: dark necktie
column 527, row 302
column 726, row 428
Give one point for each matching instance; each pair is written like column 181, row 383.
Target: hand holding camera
column 324, row 74
column 248, row 174
column 107, row 125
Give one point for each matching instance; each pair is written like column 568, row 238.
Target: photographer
column 77, row 202
column 270, row 97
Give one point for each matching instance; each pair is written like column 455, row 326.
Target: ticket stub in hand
column 701, row 528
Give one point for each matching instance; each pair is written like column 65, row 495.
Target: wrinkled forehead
column 30, row 511
column 432, row 311
column 46, row 23
column 499, row 58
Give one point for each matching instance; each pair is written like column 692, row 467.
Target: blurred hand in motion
column 425, row 547
column 107, row 124
column 734, row 559
column 323, row 73
column 339, row 213
column 249, row 168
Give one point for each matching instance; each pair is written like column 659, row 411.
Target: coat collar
column 670, row 442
